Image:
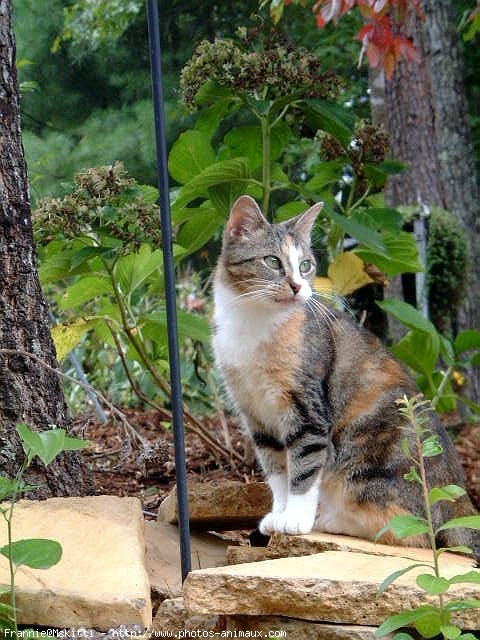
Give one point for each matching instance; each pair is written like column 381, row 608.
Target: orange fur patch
column 373, row 518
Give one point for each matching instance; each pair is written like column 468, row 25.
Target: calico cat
column 316, row 392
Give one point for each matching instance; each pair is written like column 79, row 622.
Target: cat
column 317, row 393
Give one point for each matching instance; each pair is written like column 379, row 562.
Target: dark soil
column 124, row 467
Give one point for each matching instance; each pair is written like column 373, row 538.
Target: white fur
column 294, row 258
column 278, row 483
column 297, row 517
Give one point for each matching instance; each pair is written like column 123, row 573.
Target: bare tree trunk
column 426, row 118
column 28, row 393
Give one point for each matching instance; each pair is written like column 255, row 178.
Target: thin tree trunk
column 28, row 393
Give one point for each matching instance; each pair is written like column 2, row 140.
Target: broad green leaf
column 412, row 476
column 84, row 290
column 468, row 636
column 31, row 442
column 458, row 549
column 450, row 632
column 468, row 522
column 133, row 269
column 190, row 325
column 87, row 253
column 403, row 619
column 448, row 492
column 74, row 444
column 223, row 196
column 408, row 315
column 190, row 155
column 210, row 117
column 382, row 219
column 210, row 93
column 470, row 577
column 325, row 173
column 467, row 340
column 196, row 231
column 368, row 237
column 36, row 553
column 67, row 336
column 54, row 268
column 149, row 194
column 418, row 351
column 391, row 167
column 332, row 118
column 403, row 636
column 246, row 141
column 47, row 444
column 218, row 173
column 289, row 210
column 404, row 526
column 400, row 254
column 396, row 574
column 428, row 626
column 462, row 605
column 432, row 584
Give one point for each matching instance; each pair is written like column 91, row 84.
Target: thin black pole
column 170, row 298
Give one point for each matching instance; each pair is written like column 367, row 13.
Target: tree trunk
column 28, row 392
column 426, row 118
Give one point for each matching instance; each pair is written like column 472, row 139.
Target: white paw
column 292, row 522
column 266, row 524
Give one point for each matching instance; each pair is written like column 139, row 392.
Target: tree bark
column 426, row 118
column 28, row 392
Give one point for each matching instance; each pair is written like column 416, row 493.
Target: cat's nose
column 295, row 287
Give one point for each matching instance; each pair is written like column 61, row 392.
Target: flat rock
column 163, row 556
column 240, row 554
column 224, row 505
column 172, row 617
column 282, row 546
column 101, row 580
column 333, row 586
column 300, row 629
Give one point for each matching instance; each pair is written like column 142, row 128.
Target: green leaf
column 190, row 155
column 366, row 236
column 246, row 141
column 332, row 118
column 450, row 632
column 431, row 447
column 289, row 210
column 84, row 290
column 67, row 336
column 133, row 269
column 196, row 231
column 418, row 351
column 432, row 584
column 190, row 325
column 391, row 167
column 8, row 487
column 428, row 626
column 223, row 196
column 467, row 340
column 396, row 574
column 36, row 553
column 218, row 173
column 400, row 254
column 404, row 526
column 408, row 315
column 462, row 605
column 210, row 117
column 46, row 444
column 412, row 476
column 210, row 93
column 381, row 219
column 86, row 254
column 403, row 636
column 403, row 619
column 325, row 173
column 470, row 577
column 448, row 492
column 458, row 549
column 468, row 522
column 468, row 636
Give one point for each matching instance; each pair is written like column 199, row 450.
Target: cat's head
column 268, row 263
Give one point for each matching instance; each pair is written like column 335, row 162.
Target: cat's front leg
column 306, row 452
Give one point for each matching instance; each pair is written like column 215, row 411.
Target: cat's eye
column 305, row 266
column 273, row 262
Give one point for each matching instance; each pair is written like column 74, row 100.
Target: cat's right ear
column 245, row 218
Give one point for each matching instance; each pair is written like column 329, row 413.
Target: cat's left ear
column 303, row 224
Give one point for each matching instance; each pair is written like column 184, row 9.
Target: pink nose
column 295, row 287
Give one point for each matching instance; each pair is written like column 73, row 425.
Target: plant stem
column 266, row 164
column 441, row 386
column 11, row 566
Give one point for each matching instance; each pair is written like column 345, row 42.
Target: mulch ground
column 123, row 466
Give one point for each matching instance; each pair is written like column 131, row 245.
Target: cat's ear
column 303, row 224
column 245, row 218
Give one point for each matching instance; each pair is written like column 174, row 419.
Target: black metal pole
column 170, row 298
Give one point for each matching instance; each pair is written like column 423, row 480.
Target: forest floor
column 123, row 466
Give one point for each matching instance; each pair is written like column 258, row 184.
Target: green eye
column 273, row 262
column 305, row 266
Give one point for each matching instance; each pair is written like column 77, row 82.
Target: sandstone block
column 172, row 616
column 333, row 586
column 101, row 580
column 163, row 556
column 224, row 505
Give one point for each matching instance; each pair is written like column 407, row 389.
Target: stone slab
column 300, row 629
column 242, row 554
column 225, row 505
column 282, row 546
column 172, row 617
column 101, row 579
column 333, row 586
column 163, row 556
